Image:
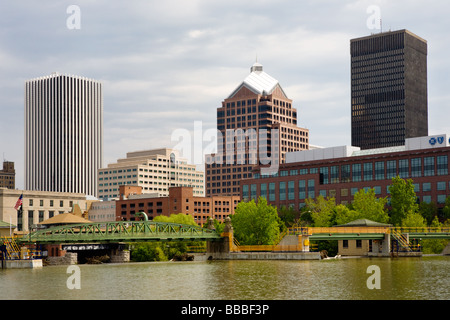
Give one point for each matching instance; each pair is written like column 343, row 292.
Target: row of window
column 378, row 170
column 307, row 189
column 51, row 203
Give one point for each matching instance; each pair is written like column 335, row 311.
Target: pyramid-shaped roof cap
column 258, row 82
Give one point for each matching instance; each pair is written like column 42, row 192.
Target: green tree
column 180, row 218
column 288, row 215
column 163, row 251
column 148, row 251
column 322, row 211
column 344, row 214
column 403, row 200
column 256, row 224
column 434, row 246
column 428, row 211
column 446, row 209
column 368, row 206
column 219, row 226
column 413, row 219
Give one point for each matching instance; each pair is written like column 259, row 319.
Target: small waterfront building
column 6, row 229
column 360, row 247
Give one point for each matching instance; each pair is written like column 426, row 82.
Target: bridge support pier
column 118, row 255
column 224, row 246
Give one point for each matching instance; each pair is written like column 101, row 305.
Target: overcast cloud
column 166, row 64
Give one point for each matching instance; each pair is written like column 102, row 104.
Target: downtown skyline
column 166, row 65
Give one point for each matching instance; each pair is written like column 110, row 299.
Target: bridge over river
column 133, row 231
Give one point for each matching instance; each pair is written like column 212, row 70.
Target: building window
column 403, row 168
column 264, row 190
column 368, row 171
column 391, row 169
column 311, row 189
column 282, row 191
column 334, row 174
column 441, row 186
column 426, row 187
column 302, row 189
column 427, row 199
column 428, row 166
column 245, row 192
column 291, row 191
column 345, row 173
column 416, row 167
column 272, row 191
column 358, row 243
column 441, row 198
column 323, row 175
column 253, row 191
column 345, row 243
column 442, row 165
column 379, row 170
column 356, row 172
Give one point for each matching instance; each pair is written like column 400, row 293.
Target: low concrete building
column 361, row 247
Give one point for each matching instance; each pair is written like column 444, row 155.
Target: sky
column 168, row 65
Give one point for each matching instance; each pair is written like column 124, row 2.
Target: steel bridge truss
column 119, row 231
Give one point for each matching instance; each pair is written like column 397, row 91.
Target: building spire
column 256, row 67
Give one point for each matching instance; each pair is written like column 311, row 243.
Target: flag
column 19, row 202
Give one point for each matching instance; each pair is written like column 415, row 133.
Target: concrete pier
column 22, row 264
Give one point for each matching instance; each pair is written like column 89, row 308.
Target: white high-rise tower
column 63, row 134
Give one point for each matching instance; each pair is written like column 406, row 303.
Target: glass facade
column 342, row 181
column 381, row 86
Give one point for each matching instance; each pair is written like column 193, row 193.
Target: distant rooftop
column 419, row 143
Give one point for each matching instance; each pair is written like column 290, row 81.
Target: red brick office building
column 180, row 200
column 340, row 172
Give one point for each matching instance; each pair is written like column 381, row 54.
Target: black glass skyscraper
column 389, row 89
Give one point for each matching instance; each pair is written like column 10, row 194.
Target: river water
column 425, row 278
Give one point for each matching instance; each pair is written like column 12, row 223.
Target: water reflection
column 401, row 278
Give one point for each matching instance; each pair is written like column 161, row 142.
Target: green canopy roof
column 364, row 223
column 4, row 224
